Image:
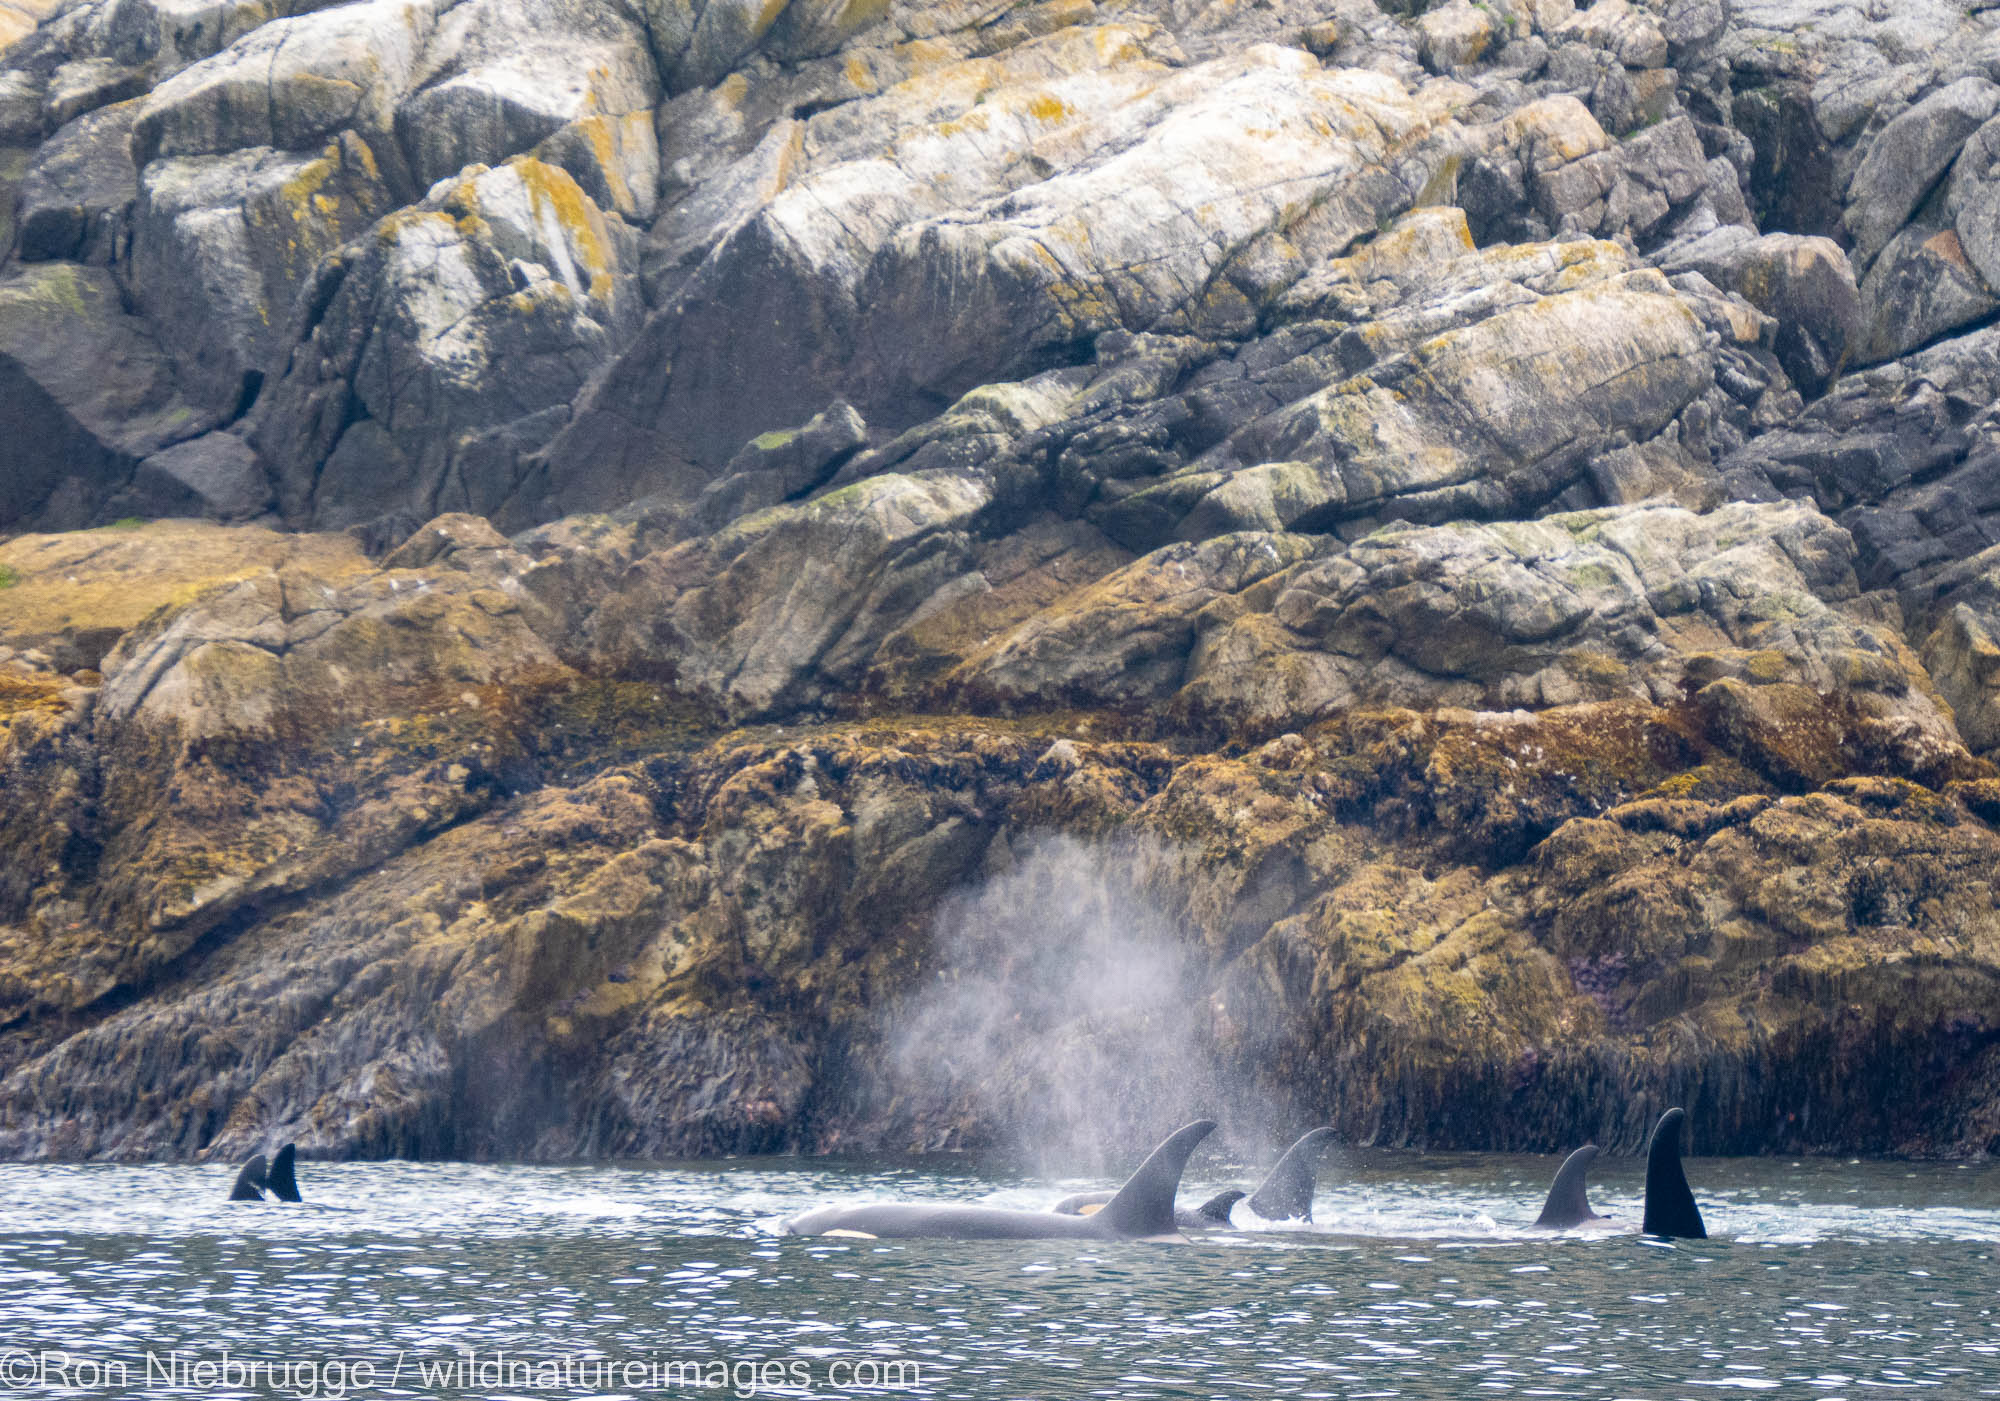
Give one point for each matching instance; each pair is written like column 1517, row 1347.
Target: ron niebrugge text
column 330, row 1379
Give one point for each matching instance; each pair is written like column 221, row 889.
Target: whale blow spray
column 1061, row 1014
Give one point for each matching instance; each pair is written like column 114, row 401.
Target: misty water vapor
column 1065, row 1017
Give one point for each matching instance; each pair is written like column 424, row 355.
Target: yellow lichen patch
column 1046, row 107
column 1595, row 668
column 1116, row 45
column 919, row 57
column 1718, row 781
column 320, row 204
column 391, row 229
column 30, row 692
column 554, row 190
column 1767, row 666
column 597, row 131
column 301, row 192
column 95, row 584
column 978, row 119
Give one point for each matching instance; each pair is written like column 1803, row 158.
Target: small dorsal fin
column 283, row 1183
column 1286, row 1194
column 1568, row 1203
column 249, row 1182
column 1218, row 1207
column 1670, row 1208
column 1144, row 1206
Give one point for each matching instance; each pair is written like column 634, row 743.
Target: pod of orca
column 1143, row 1209
column 278, row 1176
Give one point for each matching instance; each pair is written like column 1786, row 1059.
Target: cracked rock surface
column 568, row 570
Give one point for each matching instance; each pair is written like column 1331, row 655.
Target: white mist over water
column 1063, row 1017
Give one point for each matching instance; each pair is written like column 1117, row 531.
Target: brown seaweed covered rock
column 1376, row 560
column 389, row 857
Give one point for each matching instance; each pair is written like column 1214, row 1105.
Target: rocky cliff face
column 657, row 578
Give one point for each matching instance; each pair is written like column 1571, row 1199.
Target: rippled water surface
column 1825, row 1279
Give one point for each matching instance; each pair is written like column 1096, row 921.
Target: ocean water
column 1823, row 1279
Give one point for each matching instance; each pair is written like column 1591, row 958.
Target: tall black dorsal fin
column 283, row 1183
column 1670, row 1208
column 1568, row 1205
column 1287, row 1193
column 249, row 1182
column 1144, row 1206
column 1218, row 1207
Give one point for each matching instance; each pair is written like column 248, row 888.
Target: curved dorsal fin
column 1144, row 1206
column 1568, row 1204
column 1218, row 1207
column 284, row 1185
column 1286, row 1194
column 1670, row 1208
column 249, row 1182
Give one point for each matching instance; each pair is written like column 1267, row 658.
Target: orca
column 1285, row 1194
column 250, row 1182
column 283, row 1183
column 1566, row 1205
column 1210, row 1215
column 1143, row 1209
column 1670, row 1208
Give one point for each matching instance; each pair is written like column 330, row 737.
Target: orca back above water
column 1670, row 1208
column 1211, row 1215
column 1143, row 1209
column 1567, row 1204
column 1083, row 1203
column 1286, row 1193
column 250, row 1180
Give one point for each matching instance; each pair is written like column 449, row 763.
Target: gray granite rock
column 86, row 395
column 1905, row 161
column 75, row 200
column 217, row 476
column 1921, row 287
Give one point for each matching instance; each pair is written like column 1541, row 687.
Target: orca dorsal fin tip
column 1144, row 1206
